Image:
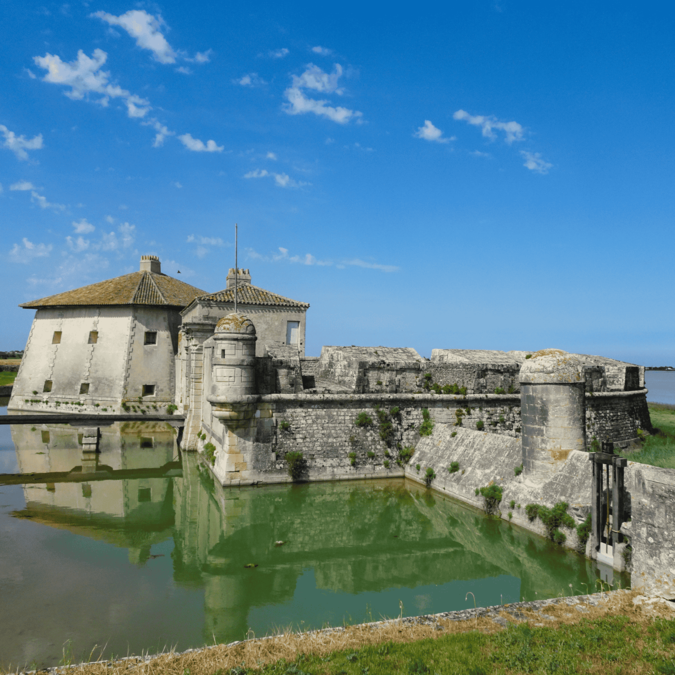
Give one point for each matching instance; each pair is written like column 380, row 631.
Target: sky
column 489, row 174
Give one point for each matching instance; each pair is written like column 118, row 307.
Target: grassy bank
column 607, row 633
column 659, row 449
column 7, row 377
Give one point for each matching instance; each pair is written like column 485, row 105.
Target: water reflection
column 350, row 550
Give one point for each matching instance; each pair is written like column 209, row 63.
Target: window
column 292, row 332
column 93, row 337
column 47, row 387
column 56, row 339
column 144, row 494
column 45, row 437
column 150, row 337
column 84, row 388
column 148, row 390
column 147, row 442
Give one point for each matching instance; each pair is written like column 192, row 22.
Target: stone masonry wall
column 616, row 416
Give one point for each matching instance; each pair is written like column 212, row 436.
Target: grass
column 615, row 636
column 657, row 450
column 7, row 377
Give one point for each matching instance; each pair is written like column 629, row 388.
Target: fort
column 259, row 411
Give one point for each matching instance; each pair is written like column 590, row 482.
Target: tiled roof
column 252, row 295
column 137, row 288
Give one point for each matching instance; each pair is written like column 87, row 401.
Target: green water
column 137, row 549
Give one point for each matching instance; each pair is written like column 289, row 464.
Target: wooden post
column 618, row 493
column 596, row 504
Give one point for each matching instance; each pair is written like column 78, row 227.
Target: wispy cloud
column 28, row 251
column 322, row 51
column 176, row 184
column 308, row 259
column 512, row 130
column 204, row 244
column 19, row 144
column 431, row 133
column 315, row 79
column 535, row 162
column 83, row 226
column 272, row 156
column 281, row 179
column 196, row 145
column 114, row 241
column 84, row 77
column 77, row 245
column 22, row 186
column 146, row 29
column 278, row 53
column 36, row 197
column 250, row 80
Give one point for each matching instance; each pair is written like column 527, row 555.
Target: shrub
column 296, row 465
column 501, row 419
column 417, row 468
column 427, row 426
column 480, row 425
column 552, row 518
column 454, row 467
column 379, row 383
column 500, row 390
column 371, row 454
column 558, row 537
column 453, row 434
column 532, row 511
column 584, row 530
column 363, row 420
column 394, row 411
column 386, row 432
column 595, row 444
column 462, row 391
column 510, row 515
column 476, row 491
column 641, row 434
column 429, row 475
column 210, row 452
column 511, row 389
column 404, row 454
column 492, row 494
column 459, row 414
column 387, row 453
column 437, row 388
column 512, row 503
column 284, row 425
column 427, row 381
column 386, row 463
column 529, row 356
column 518, row 470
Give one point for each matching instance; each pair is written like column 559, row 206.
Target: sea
column 661, row 386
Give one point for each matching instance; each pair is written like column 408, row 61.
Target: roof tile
column 248, row 294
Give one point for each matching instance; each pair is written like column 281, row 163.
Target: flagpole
column 236, row 264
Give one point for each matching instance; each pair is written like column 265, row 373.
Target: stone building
column 104, row 345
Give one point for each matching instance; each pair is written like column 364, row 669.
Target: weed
column 427, row 426
column 459, row 414
column 595, row 444
column 453, row 434
column 386, row 463
column 584, row 530
column 352, row 458
column 417, row 468
column 479, row 425
column 510, row 515
column 296, row 465
column 363, row 420
column 552, row 518
column 387, row 454
column 379, row 383
column 371, row 454
column 210, row 452
column 492, row 494
column 404, row 454
column 512, row 503
column 394, row 411
column 501, row 419
column 529, row 356
column 171, row 409
column 429, row 475
column 454, row 467
column 500, row 390
column 511, row 389
column 284, row 425
column 518, row 470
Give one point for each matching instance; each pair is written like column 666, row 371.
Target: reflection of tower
column 232, row 392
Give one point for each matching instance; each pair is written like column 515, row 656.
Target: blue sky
column 485, row 174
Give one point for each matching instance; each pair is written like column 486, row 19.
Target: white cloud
column 83, row 227
column 204, row 243
column 19, row 144
column 196, row 145
column 162, row 133
column 535, row 162
column 278, row 53
column 177, row 184
column 127, row 231
column 146, row 29
column 22, row 185
column 184, row 69
column 281, row 179
column 309, row 259
column 512, row 130
column 322, row 51
column 24, row 254
column 110, row 241
column 316, row 79
column 431, row 133
column 77, row 245
column 84, row 77
column 202, row 57
column 250, row 80
column 74, row 270
column 272, row 156
column 42, row 202
column 110, row 219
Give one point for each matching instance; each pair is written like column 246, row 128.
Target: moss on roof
column 248, row 294
column 137, row 288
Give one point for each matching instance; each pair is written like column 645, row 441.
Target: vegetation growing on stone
column 518, row 470
column 500, row 390
column 584, row 530
column 427, row 426
column 404, row 454
column 479, row 425
column 454, row 467
column 553, row 519
column 352, row 458
column 296, row 465
column 459, row 414
column 363, row 420
column 492, row 495
column 284, row 425
column 386, row 463
column 429, row 475
column 210, row 452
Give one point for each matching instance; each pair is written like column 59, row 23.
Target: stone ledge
column 346, row 398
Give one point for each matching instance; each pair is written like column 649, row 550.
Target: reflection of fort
column 354, row 536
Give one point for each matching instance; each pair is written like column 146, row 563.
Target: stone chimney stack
column 150, row 263
column 244, row 277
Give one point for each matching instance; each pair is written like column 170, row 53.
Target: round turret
column 553, row 411
column 235, row 323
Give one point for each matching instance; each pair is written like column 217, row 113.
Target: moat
column 137, row 549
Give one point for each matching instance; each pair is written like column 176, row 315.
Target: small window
column 84, row 388
column 144, row 494
column 148, row 390
column 292, row 332
column 147, row 442
column 150, row 337
column 45, row 437
column 93, row 337
column 86, row 490
column 56, row 339
column 48, row 386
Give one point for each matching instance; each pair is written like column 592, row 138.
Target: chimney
column 150, row 263
column 244, row 277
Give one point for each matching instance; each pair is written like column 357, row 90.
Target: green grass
column 657, row 450
column 608, row 645
column 7, row 377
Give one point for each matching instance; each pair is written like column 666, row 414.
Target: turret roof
column 137, row 288
column 247, row 294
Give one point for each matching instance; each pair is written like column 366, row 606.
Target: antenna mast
column 236, row 264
